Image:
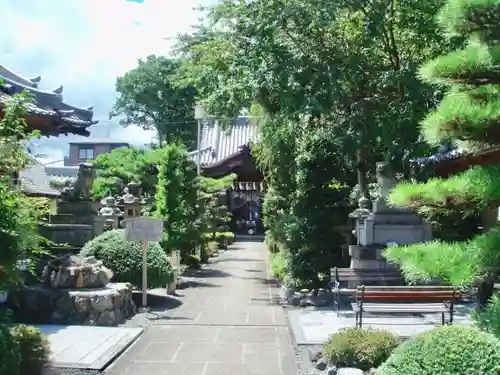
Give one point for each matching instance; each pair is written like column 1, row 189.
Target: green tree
column 18, row 216
column 123, row 165
column 468, row 114
column 176, row 199
column 146, row 97
column 335, row 84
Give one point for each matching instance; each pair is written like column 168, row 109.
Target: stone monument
column 384, row 225
column 75, row 290
column 74, row 222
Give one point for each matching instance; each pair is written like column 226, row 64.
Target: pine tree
column 469, row 117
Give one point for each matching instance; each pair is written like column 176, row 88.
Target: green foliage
column 34, row 349
column 216, row 215
column 149, row 99
column 468, row 111
column 488, row 319
column 124, row 258
column 325, row 112
column 176, row 199
column 360, row 347
column 457, row 263
column 446, row 350
column 467, row 192
column 192, row 261
column 19, row 215
column 279, row 264
column 467, row 116
column 122, row 165
column 10, row 352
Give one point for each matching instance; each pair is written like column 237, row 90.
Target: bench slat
column 369, row 288
column 372, row 278
column 401, row 308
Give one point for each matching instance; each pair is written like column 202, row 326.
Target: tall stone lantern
column 132, row 201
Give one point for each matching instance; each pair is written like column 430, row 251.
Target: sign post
column 144, row 229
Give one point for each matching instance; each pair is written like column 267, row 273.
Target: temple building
column 47, row 112
column 226, row 151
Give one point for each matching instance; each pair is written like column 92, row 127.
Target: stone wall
column 95, row 307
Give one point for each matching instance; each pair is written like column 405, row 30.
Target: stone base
column 107, row 306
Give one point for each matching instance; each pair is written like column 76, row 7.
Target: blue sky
column 84, row 45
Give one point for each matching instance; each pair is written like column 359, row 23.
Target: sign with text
column 144, row 229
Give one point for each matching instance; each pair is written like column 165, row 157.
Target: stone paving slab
column 228, row 324
column 87, row 347
column 313, row 327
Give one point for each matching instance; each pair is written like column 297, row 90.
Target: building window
column 85, row 154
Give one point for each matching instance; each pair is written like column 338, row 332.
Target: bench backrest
column 407, row 293
column 351, row 274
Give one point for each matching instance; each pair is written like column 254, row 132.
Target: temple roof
column 66, row 118
column 35, row 181
column 448, row 161
column 219, row 143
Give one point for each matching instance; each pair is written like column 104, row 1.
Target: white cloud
column 86, row 44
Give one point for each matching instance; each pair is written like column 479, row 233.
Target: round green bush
column 446, row 350
column 360, row 347
column 124, row 258
column 34, row 348
column 10, row 353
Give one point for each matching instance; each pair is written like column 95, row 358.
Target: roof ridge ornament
column 36, row 80
column 59, row 90
column 90, row 107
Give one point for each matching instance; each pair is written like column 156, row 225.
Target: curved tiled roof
column 72, row 119
column 219, row 143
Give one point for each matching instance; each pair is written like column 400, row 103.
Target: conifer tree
column 469, row 117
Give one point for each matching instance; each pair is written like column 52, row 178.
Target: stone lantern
column 109, row 213
column 132, row 201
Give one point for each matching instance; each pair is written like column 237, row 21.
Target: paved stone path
column 228, row 325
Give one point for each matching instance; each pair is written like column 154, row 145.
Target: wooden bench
column 405, row 299
column 339, row 276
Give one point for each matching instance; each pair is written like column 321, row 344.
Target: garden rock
column 107, row 306
column 331, row 370
column 321, row 364
column 315, row 355
column 305, row 297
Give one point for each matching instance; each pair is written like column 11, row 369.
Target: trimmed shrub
column 488, row 319
column 360, row 347
column 34, row 348
column 10, row 353
column 124, row 258
column 192, row 261
column 279, row 265
column 446, row 350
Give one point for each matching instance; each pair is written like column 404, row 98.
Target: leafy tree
column 335, row 84
column 18, row 216
column 123, row 165
column 176, row 199
column 146, row 97
column 468, row 114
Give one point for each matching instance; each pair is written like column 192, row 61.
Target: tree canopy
column 468, row 115
column 335, row 86
column 147, row 97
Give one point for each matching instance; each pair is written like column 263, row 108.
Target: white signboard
column 144, row 229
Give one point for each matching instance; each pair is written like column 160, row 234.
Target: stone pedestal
column 385, row 225
column 392, row 227
column 108, row 306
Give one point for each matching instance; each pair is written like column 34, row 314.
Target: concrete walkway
column 228, row 324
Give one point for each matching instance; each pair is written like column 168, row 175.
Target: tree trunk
column 484, row 293
column 361, row 170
